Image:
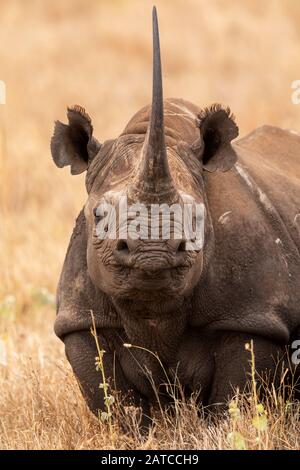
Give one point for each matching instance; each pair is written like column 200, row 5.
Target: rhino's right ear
column 218, row 128
column 73, row 144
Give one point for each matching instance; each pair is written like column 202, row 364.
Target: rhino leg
column 232, row 366
column 81, row 352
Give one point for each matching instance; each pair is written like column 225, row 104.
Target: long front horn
column 154, row 176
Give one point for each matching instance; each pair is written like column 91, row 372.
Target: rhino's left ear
column 218, row 129
column 73, row 144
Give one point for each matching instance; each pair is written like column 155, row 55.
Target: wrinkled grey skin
column 195, row 310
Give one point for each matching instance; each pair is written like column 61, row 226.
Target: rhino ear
column 73, row 144
column 218, row 129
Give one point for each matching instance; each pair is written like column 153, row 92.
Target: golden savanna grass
column 97, row 53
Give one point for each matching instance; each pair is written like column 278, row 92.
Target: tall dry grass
column 97, row 53
column 42, row 408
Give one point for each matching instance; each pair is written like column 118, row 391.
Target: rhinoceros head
column 148, row 224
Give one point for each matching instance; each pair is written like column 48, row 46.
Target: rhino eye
column 97, row 217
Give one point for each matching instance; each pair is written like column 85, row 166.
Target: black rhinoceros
column 184, row 310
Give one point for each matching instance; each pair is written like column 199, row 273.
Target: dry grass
column 42, row 408
column 98, row 53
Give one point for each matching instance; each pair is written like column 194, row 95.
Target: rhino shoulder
column 77, row 296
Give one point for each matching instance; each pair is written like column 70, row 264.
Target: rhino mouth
column 155, row 264
column 150, row 270
column 159, row 282
column 169, row 280
column 152, row 260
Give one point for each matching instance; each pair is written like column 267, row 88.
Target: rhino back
column 271, row 156
column 180, row 118
column 252, row 283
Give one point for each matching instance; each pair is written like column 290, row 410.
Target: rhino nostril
column 122, row 253
column 182, row 246
column 122, row 245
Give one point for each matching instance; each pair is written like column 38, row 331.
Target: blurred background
column 97, row 53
